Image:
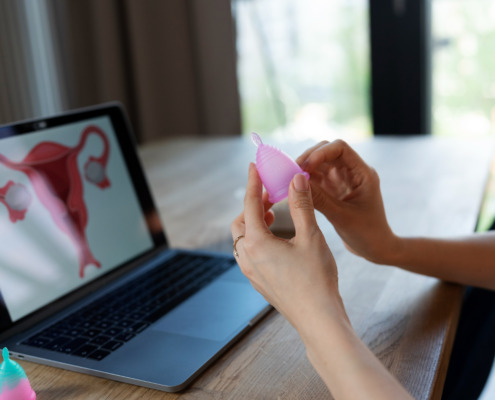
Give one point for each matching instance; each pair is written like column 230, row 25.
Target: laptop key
column 86, row 324
column 113, row 331
column 125, row 337
column 58, row 343
column 98, row 355
column 139, row 327
column 91, row 333
column 112, row 345
column 72, row 346
column 75, row 332
column 102, row 339
column 117, row 317
column 38, row 341
column 52, row 333
column 125, row 323
column 85, row 350
column 103, row 325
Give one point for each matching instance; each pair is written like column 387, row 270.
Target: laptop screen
column 69, row 211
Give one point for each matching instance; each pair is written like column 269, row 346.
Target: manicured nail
column 301, row 184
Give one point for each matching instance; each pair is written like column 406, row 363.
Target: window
column 303, row 68
column 463, row 67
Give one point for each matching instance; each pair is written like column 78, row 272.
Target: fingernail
column 301, row 184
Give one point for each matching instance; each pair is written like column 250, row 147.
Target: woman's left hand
column 297, row 276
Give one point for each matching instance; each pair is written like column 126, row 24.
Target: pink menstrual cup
column 276, row 169
column 14, row 384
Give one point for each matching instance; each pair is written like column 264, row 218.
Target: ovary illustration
column 16, row 198
column 54, row 175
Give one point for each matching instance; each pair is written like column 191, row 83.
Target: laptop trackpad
column 215, row 312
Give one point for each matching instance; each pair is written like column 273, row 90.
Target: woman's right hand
column 347, row 191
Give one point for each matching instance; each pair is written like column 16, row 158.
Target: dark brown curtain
column 172, row 63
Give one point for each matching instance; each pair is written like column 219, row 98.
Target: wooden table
column 430, row 187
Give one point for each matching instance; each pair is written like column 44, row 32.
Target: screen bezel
column 127, row 142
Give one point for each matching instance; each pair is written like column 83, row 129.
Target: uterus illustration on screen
column 54, row 175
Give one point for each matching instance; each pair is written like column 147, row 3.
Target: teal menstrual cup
column 276, row 169
column 14, row 384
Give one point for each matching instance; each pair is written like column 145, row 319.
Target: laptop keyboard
column 106, row 324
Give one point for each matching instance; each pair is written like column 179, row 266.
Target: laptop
column 88, row 282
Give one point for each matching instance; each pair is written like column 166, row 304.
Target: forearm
column 347, row 366
column 469, row 260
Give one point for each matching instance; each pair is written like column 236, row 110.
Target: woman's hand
column 347, row 191
column 297, row 276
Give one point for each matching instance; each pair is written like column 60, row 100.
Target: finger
column 266, row 203
column 237, row 247
column 254, row 211
column 238, row 226
column 269, row 218
column 301, row 207
column 337, row 151
column 322, row 201
column 300, row 160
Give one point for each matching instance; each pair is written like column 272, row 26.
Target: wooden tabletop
column 430, row 186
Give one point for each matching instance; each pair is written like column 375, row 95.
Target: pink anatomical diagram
column 54, row 175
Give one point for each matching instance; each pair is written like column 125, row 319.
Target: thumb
column 301, row 206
